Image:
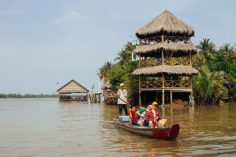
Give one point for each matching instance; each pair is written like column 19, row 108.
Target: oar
column 125, row 102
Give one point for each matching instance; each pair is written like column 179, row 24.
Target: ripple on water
column 39, row 127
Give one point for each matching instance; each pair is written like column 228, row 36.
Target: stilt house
column 165, row 60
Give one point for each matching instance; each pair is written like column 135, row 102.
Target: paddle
column 125, row 102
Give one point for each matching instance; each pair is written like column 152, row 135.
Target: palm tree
column 209, row 87
column 206, row 45
column 103, row 71
column 126, row 53
column 207, row 49
column 230, row 52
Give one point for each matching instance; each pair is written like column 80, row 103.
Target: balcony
column 168, row 85
column 167, row 61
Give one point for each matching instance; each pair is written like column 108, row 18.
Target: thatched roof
column 166, row 69
column 143, row 49
column 72, row 87
column 165, row 23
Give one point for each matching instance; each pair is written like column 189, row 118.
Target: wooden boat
column 169, row 133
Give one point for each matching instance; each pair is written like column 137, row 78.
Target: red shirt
column 132, row 115
column 149, row 116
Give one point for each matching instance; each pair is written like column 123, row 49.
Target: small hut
column 165, row 60
column 73, row 91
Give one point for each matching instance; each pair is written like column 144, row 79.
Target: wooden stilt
column 191, row 94
column 163, row 111
column 163, row 97
column 171, row 114
column 139, row 93
column 192, row 99
column 170, row 98
column 162, row 58
column 163, row 90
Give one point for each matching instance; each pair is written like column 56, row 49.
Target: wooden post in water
column 191, row 87
column 163, row 111
column 163, row 95
column 171, row 115
column 139, row 85
column 163, row 81
column 163, row 62
column 171, row 98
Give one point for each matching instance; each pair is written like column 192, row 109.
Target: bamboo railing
column 177, row 61
column 177, row 83
column 151, row 84
column 150, row 62
column 157, row 39
column 167, row 61
column 167, row 83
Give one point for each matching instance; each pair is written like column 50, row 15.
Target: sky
column 46, row 43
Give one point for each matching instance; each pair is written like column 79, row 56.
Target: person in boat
column 140, row 113
column 152, row 115
column 155, row 111
column 157, row 116
column 122, row 99
column 149, row 117
column 133, row 115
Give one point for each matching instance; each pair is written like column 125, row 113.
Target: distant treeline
column 28, row 95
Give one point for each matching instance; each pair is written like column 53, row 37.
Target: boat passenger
column 155, row 111
column 157, row 117
column 141, row 112
column 133, row 116
column 149, row 117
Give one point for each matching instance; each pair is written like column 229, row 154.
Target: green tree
column 209, row 87
column 103, row 71
column 207, row 49
column 126, row 53
column 223, row 61
column 229, row 52
column 121, row 70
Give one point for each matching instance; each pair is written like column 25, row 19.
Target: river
column 49, row 128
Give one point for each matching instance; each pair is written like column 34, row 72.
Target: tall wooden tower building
column 165, row 59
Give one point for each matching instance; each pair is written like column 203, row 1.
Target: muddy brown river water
column 48, row 128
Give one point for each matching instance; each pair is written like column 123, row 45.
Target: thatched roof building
column 72, row 87
column 166, row 23
column 70, row 91
column 165, row 58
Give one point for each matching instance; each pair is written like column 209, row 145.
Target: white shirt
column 122, row 95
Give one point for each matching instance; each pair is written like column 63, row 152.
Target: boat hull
column 169, row 133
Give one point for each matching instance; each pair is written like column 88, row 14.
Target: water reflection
column 46, row 127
